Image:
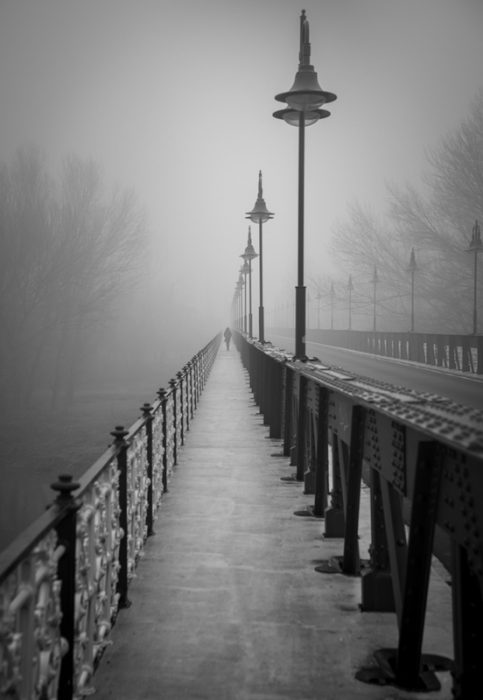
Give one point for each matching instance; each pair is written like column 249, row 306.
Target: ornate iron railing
column 64, row 579
column 422, row 456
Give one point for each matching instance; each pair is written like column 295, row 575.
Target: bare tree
column 436, row 222
column 68, row 253
column 367, row 246
column 100, row 245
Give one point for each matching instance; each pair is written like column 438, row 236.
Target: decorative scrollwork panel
column 31, row 646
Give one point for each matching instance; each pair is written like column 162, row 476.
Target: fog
column 175, row 100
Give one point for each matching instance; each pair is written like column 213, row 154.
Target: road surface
column 464, row 388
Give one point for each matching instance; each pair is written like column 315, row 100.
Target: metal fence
column 64, row 579
column 459, row 352
column 422, row 456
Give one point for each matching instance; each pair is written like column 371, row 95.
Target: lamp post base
column 300, row 324
column 261, row 324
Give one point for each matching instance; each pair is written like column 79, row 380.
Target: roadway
column 465, row 389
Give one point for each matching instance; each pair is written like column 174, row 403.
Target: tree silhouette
column 69, row 250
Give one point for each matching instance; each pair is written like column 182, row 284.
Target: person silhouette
column 227, row 335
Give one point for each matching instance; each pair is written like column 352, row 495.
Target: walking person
column 227, row 335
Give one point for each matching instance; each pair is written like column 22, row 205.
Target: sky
column 175, row 99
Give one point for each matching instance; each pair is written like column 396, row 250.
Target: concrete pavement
column 226, row 603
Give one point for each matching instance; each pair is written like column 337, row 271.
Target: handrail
column 452, row 351
column 65, row 578
column 408, row 446
column 460, row 352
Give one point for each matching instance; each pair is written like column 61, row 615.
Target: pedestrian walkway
column 226, row 604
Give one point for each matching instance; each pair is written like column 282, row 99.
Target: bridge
column 266, row 529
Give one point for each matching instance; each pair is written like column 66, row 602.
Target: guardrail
column 460, row 352
column 413, row 449
column 64, row 579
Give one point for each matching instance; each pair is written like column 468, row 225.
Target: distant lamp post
column 248, row 256
column 303, row 100
column 260, row 214
column 375, row 280
column 318, row 297
column 412, row 269
column 475, row 247
column 332, row 300
column 244, row 270
column 240, row 291
column 350, row 288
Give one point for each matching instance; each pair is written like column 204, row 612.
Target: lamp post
column 303, row 100
column 332, row 299
column 248, row 256
column 475, row 247
column 375, row 280
column 244, row 272
column 412, row 269
column 259, row 214
column 318, row 297
column 239, row 286
column 350, row 287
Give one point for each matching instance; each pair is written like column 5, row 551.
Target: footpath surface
column 226, row 604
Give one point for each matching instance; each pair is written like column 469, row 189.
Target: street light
column 375, row 280
column 332, row 299
column 244, row 270
column 239, row 286
column 248, row 256
column 318, row 297
column 475, row 247
column 303, row 100
column 350, row 287
column 412, row 269
column 259, row 214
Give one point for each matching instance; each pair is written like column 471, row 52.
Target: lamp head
column 249, row 253
column 259, row 213
column 475, row 243
column 293, row 116
column 412, row 261
column 305, row 95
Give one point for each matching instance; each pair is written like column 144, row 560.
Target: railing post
column 173, row 385
column 196, row 369
column 258, row 383
column 301, row 427
column 287, row 412
column 66, row 536
column 351, row 560
column 163, row 398
column 277, row 400
column 187, row 376
column 466, row 352
column 121, row 445
column 265, row 388
column 191, row 386
column 467, row 624
column 421, row 532
column 452, row 352
column 181, row 404
column 148, row 421
column 322, row 464
column 377, row 587
column 334, row 515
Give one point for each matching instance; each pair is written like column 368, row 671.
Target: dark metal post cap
column 64, row 486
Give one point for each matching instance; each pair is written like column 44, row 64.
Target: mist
column 173, row 102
